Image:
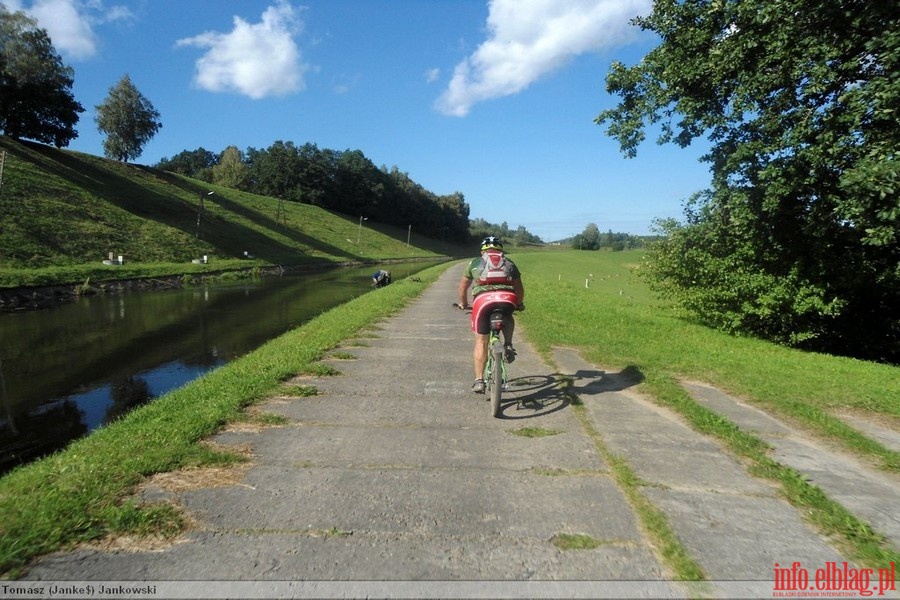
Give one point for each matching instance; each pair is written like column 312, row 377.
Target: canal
column 67, row 370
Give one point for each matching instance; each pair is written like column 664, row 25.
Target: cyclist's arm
column 520, row 290
column 464, row 284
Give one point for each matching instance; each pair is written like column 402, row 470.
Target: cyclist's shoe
column 478, row 386
column 510, row 353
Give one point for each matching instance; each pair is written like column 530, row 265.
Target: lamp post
column 200, row 212
column 359, row 232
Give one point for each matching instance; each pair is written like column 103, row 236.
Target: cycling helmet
column 491, row 242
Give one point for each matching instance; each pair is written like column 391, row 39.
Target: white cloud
column 257, row 60
column 432, row 75
column 70, row 31
column 70, row 23
column 527, row 40
column 118, row 13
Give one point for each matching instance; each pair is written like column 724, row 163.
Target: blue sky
column 491, row 98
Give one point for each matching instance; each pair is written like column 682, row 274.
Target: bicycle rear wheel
column 496, row 377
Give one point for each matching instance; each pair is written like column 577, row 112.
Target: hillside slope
column 61, row 209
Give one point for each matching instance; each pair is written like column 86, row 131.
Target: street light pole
column 200, row 212
column 359, row 232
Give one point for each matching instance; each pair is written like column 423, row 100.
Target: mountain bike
column 495, row 376
column 496, row 379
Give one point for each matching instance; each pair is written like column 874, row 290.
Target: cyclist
column 497, row 283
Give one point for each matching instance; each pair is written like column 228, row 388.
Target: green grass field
column 596, row 303
column 617, row 323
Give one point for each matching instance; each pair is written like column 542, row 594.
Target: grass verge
column 616, row 322
column 82, row 493
column 610, row 316
column 857, row 537
column 653, row 521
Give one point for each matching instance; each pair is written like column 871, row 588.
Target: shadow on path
column 589, row 381
column 533, row 396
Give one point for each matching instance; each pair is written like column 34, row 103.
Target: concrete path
column 395, row 474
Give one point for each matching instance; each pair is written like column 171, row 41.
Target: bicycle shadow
column 588, row 382
column 533, row 396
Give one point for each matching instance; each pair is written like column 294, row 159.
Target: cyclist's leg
column 481, row 328
column 509, row 327
column 480, row 354
column 509, row 323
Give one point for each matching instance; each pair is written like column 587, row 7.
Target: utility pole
column 200, row 212
column 2, row 162
column 359, row 232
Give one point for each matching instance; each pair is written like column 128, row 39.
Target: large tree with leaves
column 36, row 101
column 128, row 119
column 798, row 238
column 197, row 163
column 230, row 170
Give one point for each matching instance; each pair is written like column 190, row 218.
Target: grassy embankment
column 63, row 213
column 616, row 323
column 81, row 493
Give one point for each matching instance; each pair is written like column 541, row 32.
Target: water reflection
column 68, row 370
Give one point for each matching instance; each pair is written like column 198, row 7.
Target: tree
column 36, row 101
column 798, row 238
column 590, row 237
column 193, row 163
column 479, row 228
column 274, row 170
column 231, row 170
column 359, row 184
column 128, row 119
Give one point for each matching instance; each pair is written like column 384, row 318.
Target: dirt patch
column 253, row 422
column 199, row 478
column 128, row 543
column 165, row 487
column 879, row 420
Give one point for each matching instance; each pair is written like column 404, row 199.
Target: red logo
column 832, row 580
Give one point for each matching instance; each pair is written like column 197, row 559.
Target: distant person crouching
column 381, row 278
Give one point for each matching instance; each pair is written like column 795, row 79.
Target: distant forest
column 343, row 181
column 479, row 228
column 592, row 239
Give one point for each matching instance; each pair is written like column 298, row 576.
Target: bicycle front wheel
column 496, row 377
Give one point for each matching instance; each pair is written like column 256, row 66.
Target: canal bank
column 78, row 494
column 14, row 299
column 67, row 370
